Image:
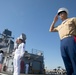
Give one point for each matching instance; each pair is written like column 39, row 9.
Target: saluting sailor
column 19, row 52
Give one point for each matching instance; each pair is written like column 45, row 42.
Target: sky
column 34, row 17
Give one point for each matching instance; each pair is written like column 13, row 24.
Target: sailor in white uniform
column 1, row 59
column 19, row 52
column 26, row 68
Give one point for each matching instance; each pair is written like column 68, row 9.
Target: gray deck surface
column 4, row 73
column 28, row 74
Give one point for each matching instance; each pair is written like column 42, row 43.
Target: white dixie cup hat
column 23, row 37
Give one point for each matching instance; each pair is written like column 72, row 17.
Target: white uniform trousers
column 16, row 65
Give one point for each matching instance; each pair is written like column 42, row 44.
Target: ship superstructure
column 35, row 61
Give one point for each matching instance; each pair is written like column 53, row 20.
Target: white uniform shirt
column 15, row 44
column 20, row 50
column 1, row 56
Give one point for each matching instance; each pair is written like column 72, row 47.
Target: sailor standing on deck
column 1, row 59
column 26, row 68
column 67, row 33
column 19, row 52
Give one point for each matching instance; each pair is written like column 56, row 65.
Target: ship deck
column 28, row 74
column 6, row 73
